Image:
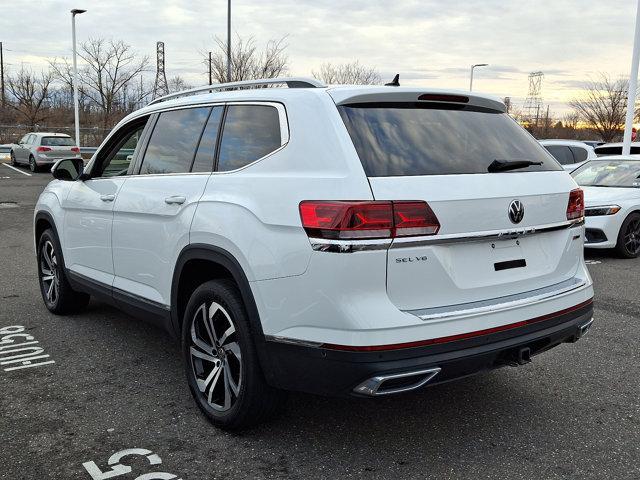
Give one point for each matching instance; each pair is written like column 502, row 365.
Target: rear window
column 615, row 150
column 57, row 142
column 398, row 139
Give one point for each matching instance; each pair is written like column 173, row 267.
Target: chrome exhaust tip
column 584, row 328
column 396, row 383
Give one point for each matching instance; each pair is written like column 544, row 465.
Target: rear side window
column 397, row 139
column 250, row 132
column 580, row 154
column 174, row 140
column 561, row 153
column 57, row 142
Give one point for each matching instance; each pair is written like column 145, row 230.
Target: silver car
column 43, row 149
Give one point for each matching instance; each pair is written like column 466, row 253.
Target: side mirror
column 68, row 169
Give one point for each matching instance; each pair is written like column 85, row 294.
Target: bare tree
column 602, row 105
column 178, row 84
column 347, row 73
column 247, row 62
column 31, row 95
column 111, row 65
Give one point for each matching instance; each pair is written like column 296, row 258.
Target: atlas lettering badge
column 19, row 350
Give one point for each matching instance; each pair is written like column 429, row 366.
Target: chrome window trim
column 499, row 304
column 285, row 134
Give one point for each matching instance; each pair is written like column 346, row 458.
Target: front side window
column 174, row 140
column 250, row 132
column 24, row 139
column 119, row 153
column 419, row 138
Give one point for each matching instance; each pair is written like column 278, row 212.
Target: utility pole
column 631, row 92
column 1, row 76
column 210, row 76
column 228, row 40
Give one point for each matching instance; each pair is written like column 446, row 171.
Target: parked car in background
column 353, row 240
column 612, row 199
column 570, row 153
column 43, row 149
column 607, row 149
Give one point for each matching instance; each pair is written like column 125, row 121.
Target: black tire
column 57, row 294
column 220, row 373
column 13, row 159
column 628, row 244
column 33, row 166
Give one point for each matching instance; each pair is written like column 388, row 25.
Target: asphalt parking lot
column 117, row 384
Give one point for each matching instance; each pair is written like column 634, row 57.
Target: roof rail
column 290, row 82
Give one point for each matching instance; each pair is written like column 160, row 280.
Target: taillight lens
column 75, row 149
column 414, row 218
column 43, row 149
column 575, row 208
column 341, row 220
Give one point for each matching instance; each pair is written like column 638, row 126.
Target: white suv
column 355, row 240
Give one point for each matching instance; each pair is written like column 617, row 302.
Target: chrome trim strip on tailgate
column 484, row 236
column 350, row 246
column 500, row 303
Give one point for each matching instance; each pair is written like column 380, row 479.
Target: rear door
column 440, row 153
column 154, row 209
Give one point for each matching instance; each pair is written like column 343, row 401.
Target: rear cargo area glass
column 405, row 139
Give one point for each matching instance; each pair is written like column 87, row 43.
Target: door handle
column 107, row 198
column 175, row 200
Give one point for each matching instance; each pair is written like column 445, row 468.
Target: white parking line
column 17, row 170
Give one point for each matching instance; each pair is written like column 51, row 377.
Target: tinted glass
column 425, row 139
column 561, row 153
column 615, row 150
column 174, row 141
column 31, row 139
column 119, row 158
column 602, row 173
column 24, row 139
column 580, row 154
column 57, row 142
column 207, row 148
column 250, row 132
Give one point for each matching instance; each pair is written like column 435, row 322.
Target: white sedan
column 612, row 203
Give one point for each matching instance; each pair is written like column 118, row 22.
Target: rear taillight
column 575, row 207
column 43, row 149
column 342, row 220
column 75, row 149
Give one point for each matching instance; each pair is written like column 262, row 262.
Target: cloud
column 429, row 42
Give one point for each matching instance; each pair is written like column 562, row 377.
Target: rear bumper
column 330, row 371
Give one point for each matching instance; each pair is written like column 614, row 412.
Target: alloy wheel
column 632, row 237
column 32, row 164
column 216, row 357
column 49, row 272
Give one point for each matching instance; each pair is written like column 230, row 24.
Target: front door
column 88, row 208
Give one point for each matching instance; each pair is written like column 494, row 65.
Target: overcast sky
column 429, row 42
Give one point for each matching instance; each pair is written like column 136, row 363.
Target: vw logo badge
column 516, row 211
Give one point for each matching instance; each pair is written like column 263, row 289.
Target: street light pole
column 228, row 40
column 75, row 12
column 631, row 92
column 471, row 76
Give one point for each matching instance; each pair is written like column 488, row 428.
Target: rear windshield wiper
column 504, row 165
